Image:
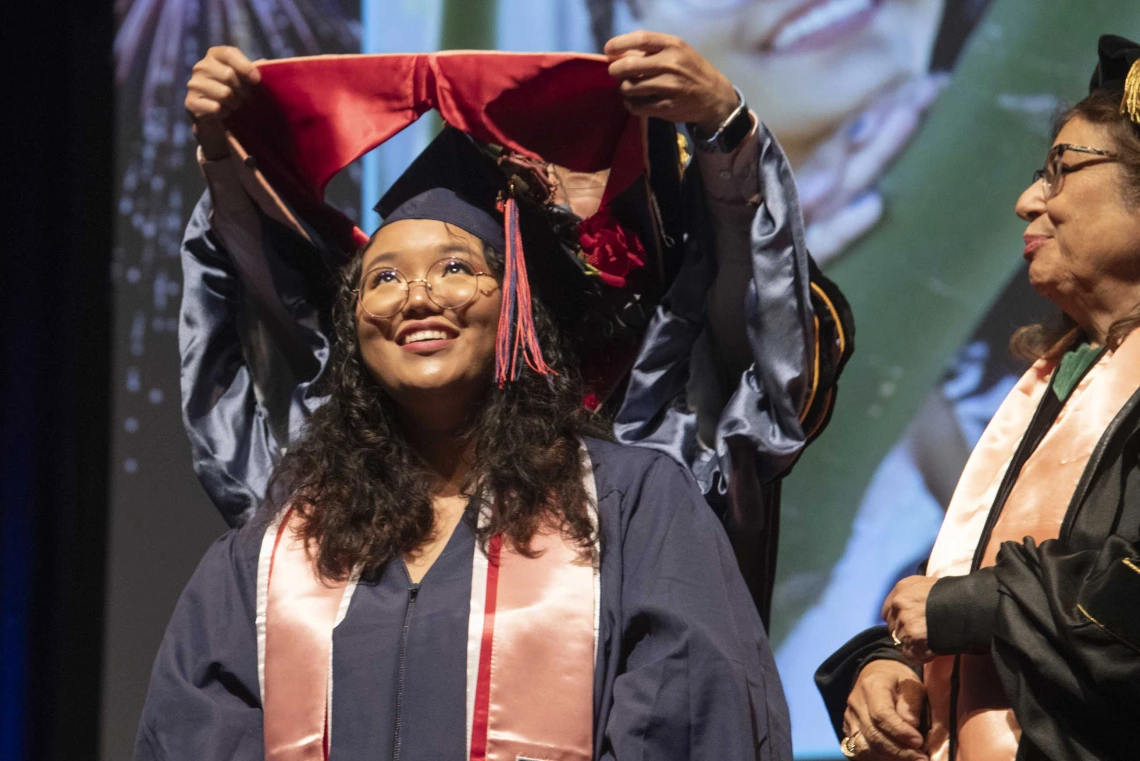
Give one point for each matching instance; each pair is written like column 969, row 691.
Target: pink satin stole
column 531, row 650
column 296, row 614
column 1036, row 507
column 535, row 694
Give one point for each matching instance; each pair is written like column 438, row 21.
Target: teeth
column 818, row 19
column 425, row 335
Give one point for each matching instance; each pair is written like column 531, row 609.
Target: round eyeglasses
column 1052, row 175
column 449, row 284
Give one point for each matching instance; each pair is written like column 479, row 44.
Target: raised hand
column 220, row 83
column 662, row 76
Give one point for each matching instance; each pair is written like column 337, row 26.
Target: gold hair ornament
column 682, row 153
column 1130, row 103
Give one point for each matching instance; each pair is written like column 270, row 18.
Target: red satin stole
column 311, row 117
column 532, row 640
column 1036, row 507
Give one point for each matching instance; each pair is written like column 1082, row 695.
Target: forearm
column 250, row 340
column 773, row 394
column 760, row 312
column 241, row 201
column 281, row 264
column 732, row 195
column 231, row 447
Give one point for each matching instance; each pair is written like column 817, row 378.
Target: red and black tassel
column 516, row 334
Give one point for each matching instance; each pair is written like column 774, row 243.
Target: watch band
column 731, row 131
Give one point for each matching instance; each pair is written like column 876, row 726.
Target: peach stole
column 532, row 640
column 297, row 610
column 1036, row 507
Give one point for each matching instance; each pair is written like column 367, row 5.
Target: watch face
column 732, row 131
column 737, row 128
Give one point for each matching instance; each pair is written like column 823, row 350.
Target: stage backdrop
column 912, row 125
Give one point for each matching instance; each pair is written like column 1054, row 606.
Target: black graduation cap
column 1118, row 69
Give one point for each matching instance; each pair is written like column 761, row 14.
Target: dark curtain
column 55, row 357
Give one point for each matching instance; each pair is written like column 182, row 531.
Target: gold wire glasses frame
column 449, row 284
column 1052, row 175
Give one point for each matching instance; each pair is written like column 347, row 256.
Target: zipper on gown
column 413, row 592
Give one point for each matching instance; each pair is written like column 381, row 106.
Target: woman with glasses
column 1022, row 639
column 452, row 562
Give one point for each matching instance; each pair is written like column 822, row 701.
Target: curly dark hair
column 365, row 494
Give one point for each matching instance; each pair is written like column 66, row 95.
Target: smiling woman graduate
column 449, row 565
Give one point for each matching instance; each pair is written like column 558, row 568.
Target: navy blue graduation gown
column 684, row 668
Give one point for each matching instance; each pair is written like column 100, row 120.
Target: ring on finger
column 895, row 639
column 847, row 745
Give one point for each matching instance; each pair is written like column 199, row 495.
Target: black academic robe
column 683, row 671
column 1060, row 618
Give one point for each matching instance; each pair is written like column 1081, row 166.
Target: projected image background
column 912, row 125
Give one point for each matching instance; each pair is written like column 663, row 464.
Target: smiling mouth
column 819, row 24
column 420, row 336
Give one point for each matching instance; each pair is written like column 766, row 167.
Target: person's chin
column 441, row 377
column 1043, row 284
column 441, row 381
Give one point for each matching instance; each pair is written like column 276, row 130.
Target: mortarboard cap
column 1118, row 68
column 446, row 205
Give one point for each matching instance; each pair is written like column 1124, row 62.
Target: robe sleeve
column 1067, row 644
column 251, row 344
column 204, row 701
column 960, row 613
column 698, row 679
column 687, row 396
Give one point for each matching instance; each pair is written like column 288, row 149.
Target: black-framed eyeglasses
column 1052, row 175
column 449, row 284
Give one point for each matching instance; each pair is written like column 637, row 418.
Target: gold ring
column 847, row 747
column 895, row 638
